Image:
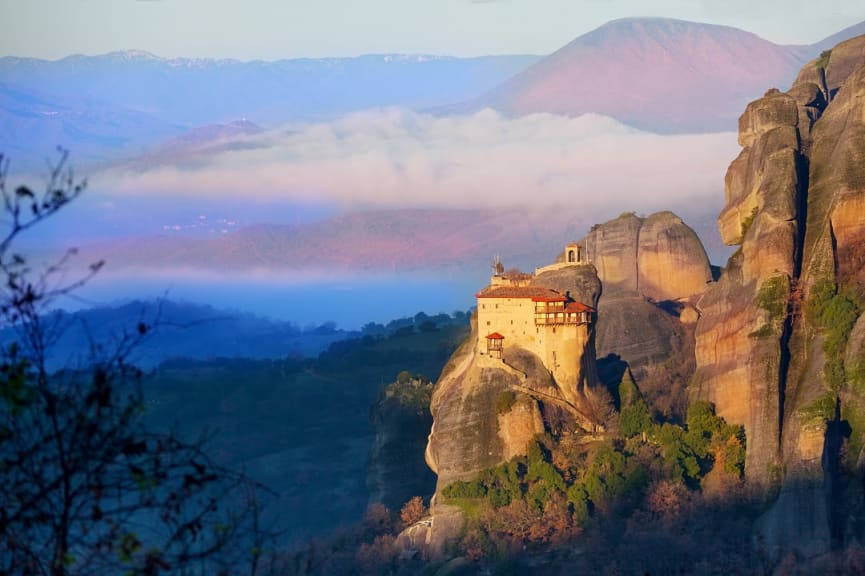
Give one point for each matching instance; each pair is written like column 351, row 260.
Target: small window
column 488, row 322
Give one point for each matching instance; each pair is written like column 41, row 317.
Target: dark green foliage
column 462, row 489
column 839, row 317
column 579, row 500
column 635, row 417
column 505, row 401
column 709, row 434
column 702, row 426
column 15, row 393
column 628, row 391
column 823, row 408
column 533, row 478
column 821, row 294
column 505, row 483
column 582, row 485
column 542, row 477
column 611, row 476
column 836, row 313
column 680, row 458
column 318, row 404
column 772, row 296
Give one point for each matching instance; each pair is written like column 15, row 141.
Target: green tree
column 635, row 417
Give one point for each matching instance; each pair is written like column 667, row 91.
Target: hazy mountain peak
column 135, row 55
column 659, row 74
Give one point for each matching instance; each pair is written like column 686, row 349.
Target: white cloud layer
column 397, row 158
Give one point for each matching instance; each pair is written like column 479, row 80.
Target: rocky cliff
column 778, row 343
column 468, row 433
column 401, row 420
column 652, row 271
column 486, row 412
column 646, row 275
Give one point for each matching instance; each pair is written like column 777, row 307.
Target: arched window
column 571, row 256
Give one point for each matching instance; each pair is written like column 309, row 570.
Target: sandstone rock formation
column 652, row 271
column 467, row 434
column 795, row 204
column 473, row 429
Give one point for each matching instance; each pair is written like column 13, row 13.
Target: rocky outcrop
column 671, row 261
column 659, row 257
column 468, row 433
column 488, row 410
column 795, row 204
column 652, row 270
column 401, row 420
column 739, row 349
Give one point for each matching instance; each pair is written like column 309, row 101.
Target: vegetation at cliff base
column 565, row 484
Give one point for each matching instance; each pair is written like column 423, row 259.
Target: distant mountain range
column 396, row 240
column 115, row 105
column 190, row 331
column 656, row 74
column 382, row 240
column 177, row 330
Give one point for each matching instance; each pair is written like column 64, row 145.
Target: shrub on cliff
column 835, row 313
column 413, row 511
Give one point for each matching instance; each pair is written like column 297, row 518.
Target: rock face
column 468, row 434
column 659, row 257
column 795, row 204
column 487, row 410
column 401, row 419
column 652, row 270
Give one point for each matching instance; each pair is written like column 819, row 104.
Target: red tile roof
column 536, row 293
column 578, row 307
column 495, row 336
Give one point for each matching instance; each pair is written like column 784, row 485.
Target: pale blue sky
column 272, row 29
